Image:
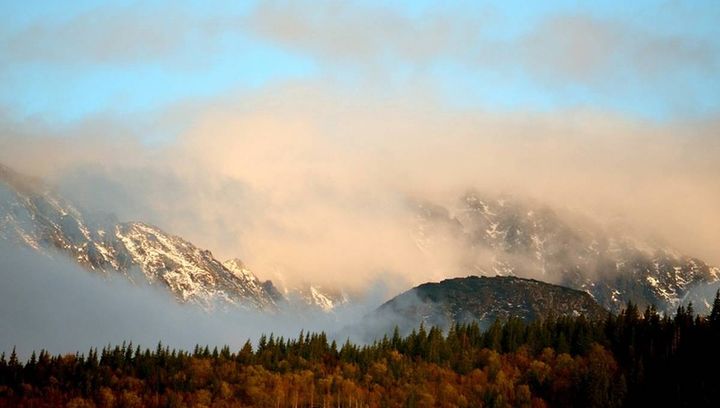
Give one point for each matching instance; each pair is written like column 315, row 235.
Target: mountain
column 317, row 297
column 32, row 215
column 499, row 236
column 482, row 299
column 522, row 238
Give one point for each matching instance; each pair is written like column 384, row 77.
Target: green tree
column 715, row 312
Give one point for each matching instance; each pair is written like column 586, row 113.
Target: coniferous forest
column 637, row 358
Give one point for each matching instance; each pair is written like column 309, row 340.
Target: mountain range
column 511, row 237
column 34, row 216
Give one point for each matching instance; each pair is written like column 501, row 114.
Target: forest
column 635, row 358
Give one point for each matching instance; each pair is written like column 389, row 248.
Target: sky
column 291, row 134
column 64, row 61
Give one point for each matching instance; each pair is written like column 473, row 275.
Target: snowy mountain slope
column 251, row 283
column 531, row 240
column 316, row 297
column 32, row 215
column 190, row 272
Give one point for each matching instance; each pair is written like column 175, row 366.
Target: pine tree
column 715, row 313
column 13, row 362
column 396, row 339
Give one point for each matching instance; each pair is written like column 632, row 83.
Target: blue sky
column 65, row 61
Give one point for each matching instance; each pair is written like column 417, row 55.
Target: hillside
column 478, row 299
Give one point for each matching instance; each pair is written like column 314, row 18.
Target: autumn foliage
column 631, row 359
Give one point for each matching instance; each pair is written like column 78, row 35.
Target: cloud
column 609, row 55
column 54, row 304
column 577, row 47
column 474, row 55
column 308, row 182
column 354, row 33
column 111, row 35
column 584, row 49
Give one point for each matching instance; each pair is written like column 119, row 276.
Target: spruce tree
column 13, row 362
column 715, row 313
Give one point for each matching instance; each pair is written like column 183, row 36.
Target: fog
column 315, row 177
column 306, row 184
column 54, row 304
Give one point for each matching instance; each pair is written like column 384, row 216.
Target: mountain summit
column 480, row 299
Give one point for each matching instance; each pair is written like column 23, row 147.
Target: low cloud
column 305, row 183
column 56, row 305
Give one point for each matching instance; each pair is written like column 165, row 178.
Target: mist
column 54, row 304
column 309, row 165
column 307, row 185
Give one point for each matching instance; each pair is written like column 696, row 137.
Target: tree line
column 631, row 359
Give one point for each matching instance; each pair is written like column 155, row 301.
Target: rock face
column 516, row 238
column 481, row 299
column 34, row 216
